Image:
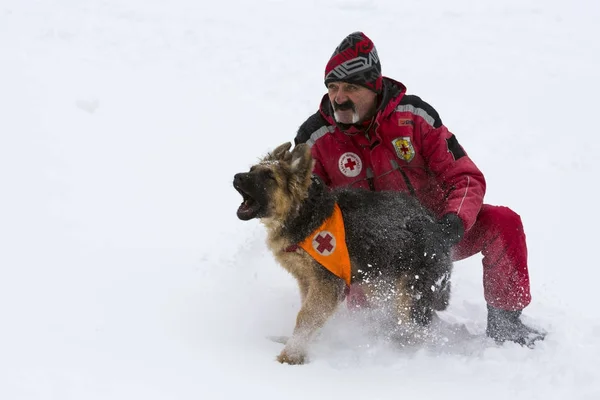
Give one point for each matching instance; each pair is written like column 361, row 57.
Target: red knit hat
column 355, row 60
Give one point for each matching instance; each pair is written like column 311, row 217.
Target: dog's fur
column 390, row 237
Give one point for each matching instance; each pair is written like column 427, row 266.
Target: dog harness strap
column 291, row 248
column 327, row 245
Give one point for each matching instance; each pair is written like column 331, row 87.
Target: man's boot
column 506, row 325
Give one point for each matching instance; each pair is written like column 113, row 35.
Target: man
column 368, row 133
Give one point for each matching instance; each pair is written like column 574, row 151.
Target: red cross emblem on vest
column 324, row 243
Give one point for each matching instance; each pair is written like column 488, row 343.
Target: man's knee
column 501, row 218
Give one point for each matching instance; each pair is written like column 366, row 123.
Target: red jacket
column 406, row 148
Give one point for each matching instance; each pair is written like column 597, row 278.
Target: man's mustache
column 347, row 105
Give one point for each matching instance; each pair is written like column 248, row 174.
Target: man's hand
column 443, row 234
column 452, row 229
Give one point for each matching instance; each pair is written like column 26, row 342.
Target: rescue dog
column 328, row 239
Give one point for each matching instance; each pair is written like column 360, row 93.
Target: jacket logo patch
column 405, row 121
column 350, row 164
column 404, row 148
column 324, row 243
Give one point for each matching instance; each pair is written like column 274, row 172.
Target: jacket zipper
column 370, row 179
column 409, row 185
column 395, row 166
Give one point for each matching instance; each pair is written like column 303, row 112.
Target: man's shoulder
column 314, row 127
column 415, row 105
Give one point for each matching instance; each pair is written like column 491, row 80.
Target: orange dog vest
column 327, row 245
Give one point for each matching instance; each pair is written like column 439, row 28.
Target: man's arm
column 313, row 124
column 457, row 174
column 309, row 132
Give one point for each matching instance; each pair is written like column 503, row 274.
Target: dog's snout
column 239, row 178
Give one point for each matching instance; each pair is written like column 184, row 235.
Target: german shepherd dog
column 390, row 238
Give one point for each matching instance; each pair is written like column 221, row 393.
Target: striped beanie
column 355, row 60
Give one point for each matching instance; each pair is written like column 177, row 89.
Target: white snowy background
column 124, row 272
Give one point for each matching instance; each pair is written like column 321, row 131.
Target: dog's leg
column 404, row 301
column 322, row 298
column 303, row 284
column 433, row 289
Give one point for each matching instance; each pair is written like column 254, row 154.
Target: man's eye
column 352, row 88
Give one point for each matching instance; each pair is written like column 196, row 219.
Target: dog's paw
column 291, row 358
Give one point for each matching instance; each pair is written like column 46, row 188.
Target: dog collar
column 291, row 248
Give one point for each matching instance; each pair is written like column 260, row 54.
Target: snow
column 124, row 272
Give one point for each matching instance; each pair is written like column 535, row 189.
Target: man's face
column 352, row 104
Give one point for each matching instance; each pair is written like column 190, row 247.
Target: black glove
column 452, row 229
column 442, row 234
column 506, row 325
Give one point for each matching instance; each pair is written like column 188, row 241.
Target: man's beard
column 347, row 105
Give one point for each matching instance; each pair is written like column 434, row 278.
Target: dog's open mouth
column 249, row 207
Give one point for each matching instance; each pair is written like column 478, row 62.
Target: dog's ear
column 287, row 157
column 302, row 162
column 281, row 152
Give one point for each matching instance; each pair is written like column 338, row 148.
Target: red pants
column 498, row 234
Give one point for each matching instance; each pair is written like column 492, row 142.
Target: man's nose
column 341, row 97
